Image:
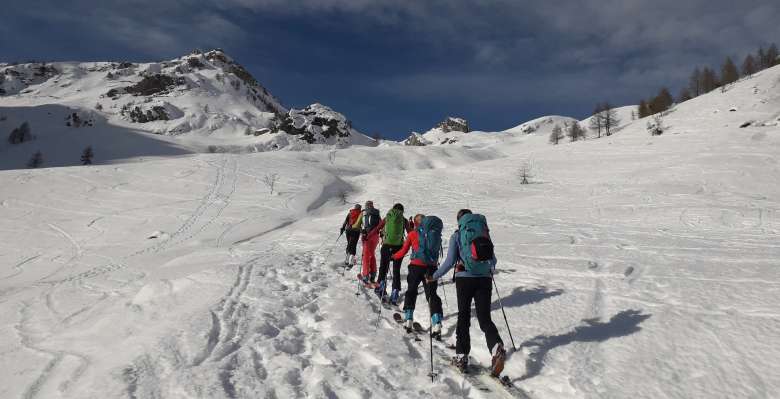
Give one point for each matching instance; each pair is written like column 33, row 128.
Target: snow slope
column 633, row 266
column 201, row 102
column 625, row 115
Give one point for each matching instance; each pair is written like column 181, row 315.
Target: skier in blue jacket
column 470, row 286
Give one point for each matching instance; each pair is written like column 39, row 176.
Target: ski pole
column 430, row 329
column 502, row 311
column 379, row 313
column 443, row 288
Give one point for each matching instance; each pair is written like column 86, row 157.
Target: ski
column 478, row 376
column 365, row 284
column 415, row 331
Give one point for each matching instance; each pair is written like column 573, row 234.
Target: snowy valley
column 192, row 262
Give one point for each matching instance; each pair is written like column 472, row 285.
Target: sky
column 395, row 66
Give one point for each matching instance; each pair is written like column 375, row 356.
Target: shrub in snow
column 656, row 126
column 525, row 173
column 36, row 161
column 270, row 181
column 20, row 134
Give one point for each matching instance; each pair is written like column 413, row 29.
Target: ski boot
column 436, row 326
column 380, row 291
column 409, row 320
column 461, row 362
column 394, row 297
column 499, row 356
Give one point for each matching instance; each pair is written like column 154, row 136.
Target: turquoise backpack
column 476, row 248
column 429, row 234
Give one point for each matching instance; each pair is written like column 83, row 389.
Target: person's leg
column 413, row 280
column 484, row 288
column 384, row 262
column 396, row 269
column 367, row 251
column 352, row 240
column 434, row 301
column 373, row 242
column 465, row 292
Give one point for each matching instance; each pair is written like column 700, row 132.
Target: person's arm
column 345, row 224
column 378, row 228
column 449, row 261
column 404, row 249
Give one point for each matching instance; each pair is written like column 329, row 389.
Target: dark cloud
column 477, row 57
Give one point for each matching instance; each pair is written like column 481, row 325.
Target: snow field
column 632, row 266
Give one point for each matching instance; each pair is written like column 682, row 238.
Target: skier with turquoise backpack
column 425, row 242
column 393, row 228
column 471, row 253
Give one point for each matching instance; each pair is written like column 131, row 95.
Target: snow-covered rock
column 318, row 124
column 448, row 131
column 542, row 126
column 453, row 124
column 416, row 139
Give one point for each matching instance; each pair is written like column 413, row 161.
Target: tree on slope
column 772, row 55
column 684, row 96
column 36, row 160
column 86, row 156
column 749, row 66
column 728, row 72
column 575, row 132
column 709, row 80
column 20, row 134
column 609, row 118
column 597, row 120
column 694, row 84
column 556, row 135
column 525, row 172
column 661, row 102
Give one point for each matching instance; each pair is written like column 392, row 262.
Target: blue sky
column 393, row 66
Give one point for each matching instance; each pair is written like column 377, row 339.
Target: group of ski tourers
column 470, row 253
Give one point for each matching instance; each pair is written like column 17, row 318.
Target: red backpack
column 354, row 214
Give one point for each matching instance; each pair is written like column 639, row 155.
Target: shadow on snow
column 522, row 296
column 592, row 330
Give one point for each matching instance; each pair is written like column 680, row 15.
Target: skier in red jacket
column 418, row 271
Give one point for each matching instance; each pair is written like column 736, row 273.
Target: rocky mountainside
column 200, row 102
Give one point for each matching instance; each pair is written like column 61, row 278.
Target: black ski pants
column 478, row 289
column 413, row 279
column 386, row 254
column 352, row 240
